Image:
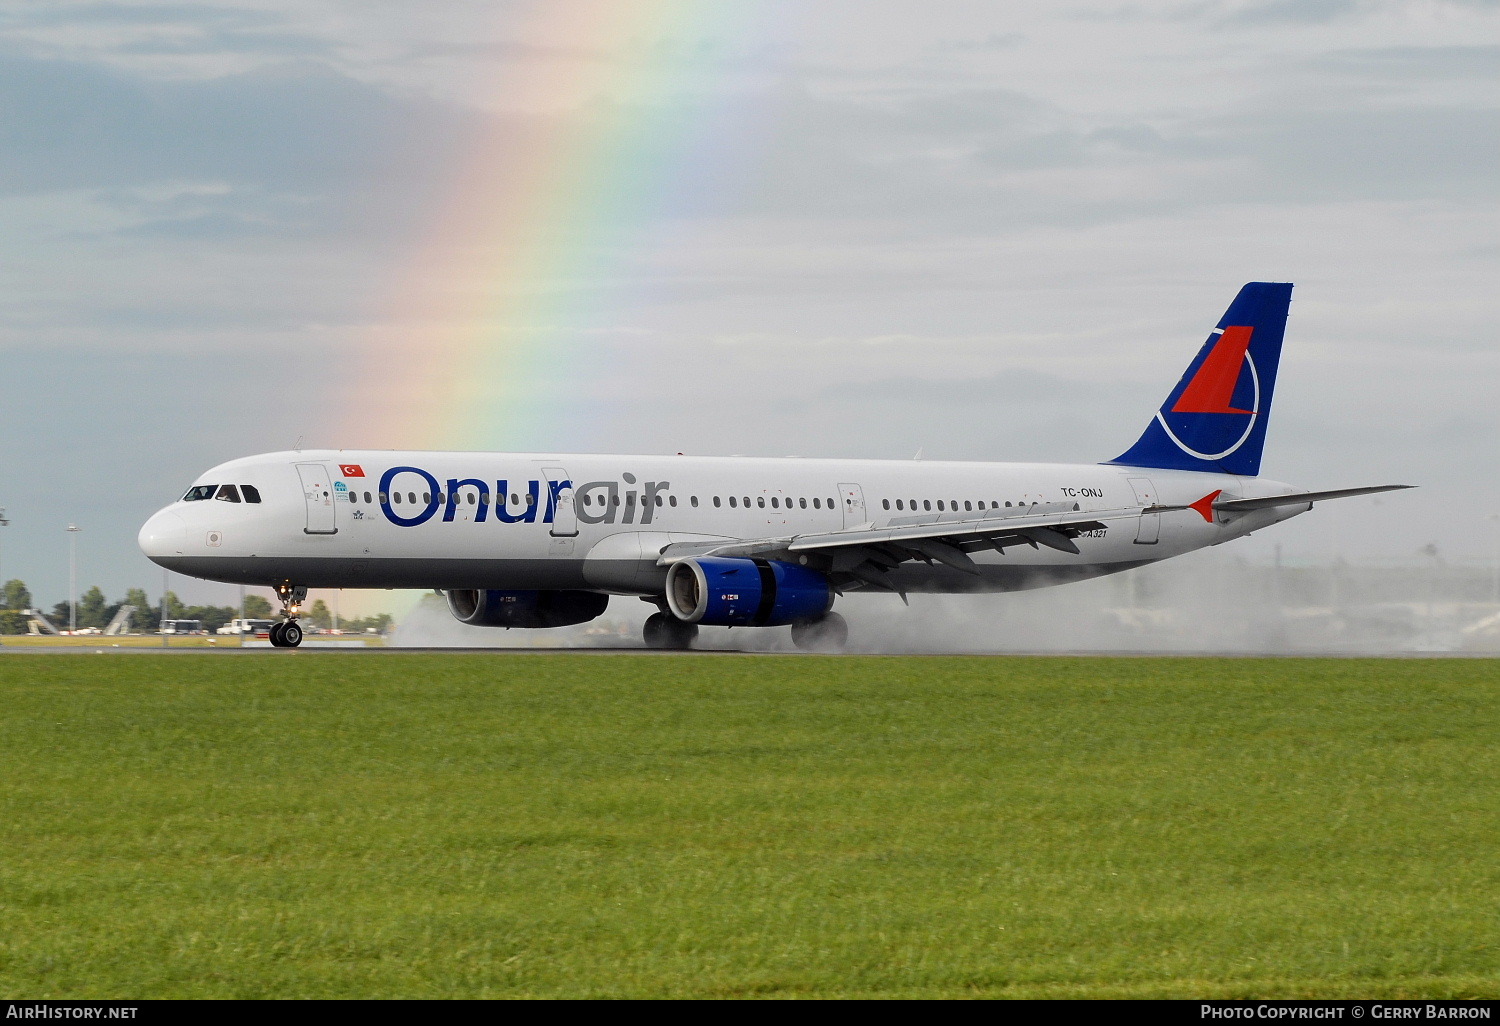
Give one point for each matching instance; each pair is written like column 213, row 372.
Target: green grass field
column 344, row 824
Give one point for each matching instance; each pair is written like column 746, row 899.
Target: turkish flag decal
column 351, row 470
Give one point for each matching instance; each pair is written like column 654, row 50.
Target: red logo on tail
column 1213, row 386
column 1205, row 506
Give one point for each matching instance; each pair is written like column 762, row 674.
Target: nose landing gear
column 288, row 633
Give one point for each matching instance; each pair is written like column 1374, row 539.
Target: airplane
column 545, row 540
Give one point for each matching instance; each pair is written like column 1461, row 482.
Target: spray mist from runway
column 1207, row 602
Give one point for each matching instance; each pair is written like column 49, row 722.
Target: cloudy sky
column 985, row 230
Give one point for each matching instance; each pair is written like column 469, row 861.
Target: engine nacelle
column 525, row 608
column 729, row 592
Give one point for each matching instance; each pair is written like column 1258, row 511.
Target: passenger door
column 317, row 492
column 564, row 526
column 564, row 516
column 1149, row 531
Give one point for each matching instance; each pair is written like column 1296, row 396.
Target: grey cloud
column 71, row 125
column 1415, row 153
column 1277, row 12
column 1419, row 62
column 300, row 146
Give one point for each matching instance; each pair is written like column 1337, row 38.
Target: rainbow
column 494, row 310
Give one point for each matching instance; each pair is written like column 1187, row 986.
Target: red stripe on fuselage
column 1213, row 386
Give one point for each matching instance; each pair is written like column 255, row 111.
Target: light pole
column 73, row 530
column 1493, row 518
column 3, row 523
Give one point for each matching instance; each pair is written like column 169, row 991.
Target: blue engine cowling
column 525, row 608
column 724, row 592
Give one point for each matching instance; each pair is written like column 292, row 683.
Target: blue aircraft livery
column 739, row 541
column 1215, row 419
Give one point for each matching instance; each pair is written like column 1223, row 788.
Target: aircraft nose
column 165, row 534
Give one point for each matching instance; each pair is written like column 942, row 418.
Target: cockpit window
column 228, row 493
column 197, row 493
column 252, row 493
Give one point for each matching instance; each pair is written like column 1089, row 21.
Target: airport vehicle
column 544, row 540
column 181, row 627
column 247, row 626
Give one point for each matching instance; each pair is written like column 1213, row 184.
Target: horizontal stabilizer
column 1297, row 498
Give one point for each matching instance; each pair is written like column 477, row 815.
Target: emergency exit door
column 852, row 502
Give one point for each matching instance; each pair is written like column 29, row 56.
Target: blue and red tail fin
column 1215, row 419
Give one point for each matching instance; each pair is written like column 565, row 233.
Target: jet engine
column 525, row 608
column 735, row 592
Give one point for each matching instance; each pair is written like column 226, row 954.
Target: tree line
column 94, row 610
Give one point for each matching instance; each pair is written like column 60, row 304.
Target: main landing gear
column 828, row 633
column 665, row 631
column 288, row 633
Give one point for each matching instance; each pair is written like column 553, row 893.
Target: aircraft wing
column 867, row 553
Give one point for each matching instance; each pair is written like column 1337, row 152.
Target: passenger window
column 830, row 504
column 1007, row 502
column 673, row 500
column 384, row 498
column 760, row 500
column 927, row 504
column 940, row 505
column 775, row 502
column 484, row 498
column 472, row 500
column 716, row 502
column 802, row 503
column 694, row 501
column 396, row 498
column 367, row 497
column 900, row 504
column 531, row 498
column 817, row 504
column 733, row 502
column 967, row 507
column 252, row 494
column 658, row 501
column 885, row 503
column 615, row 500
column 426, row 498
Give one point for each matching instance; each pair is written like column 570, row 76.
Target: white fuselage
column 599, row 522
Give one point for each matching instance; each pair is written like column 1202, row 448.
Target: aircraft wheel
column 291, row 634
column 275, row 633
column 827, row 634
column 665, row 631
